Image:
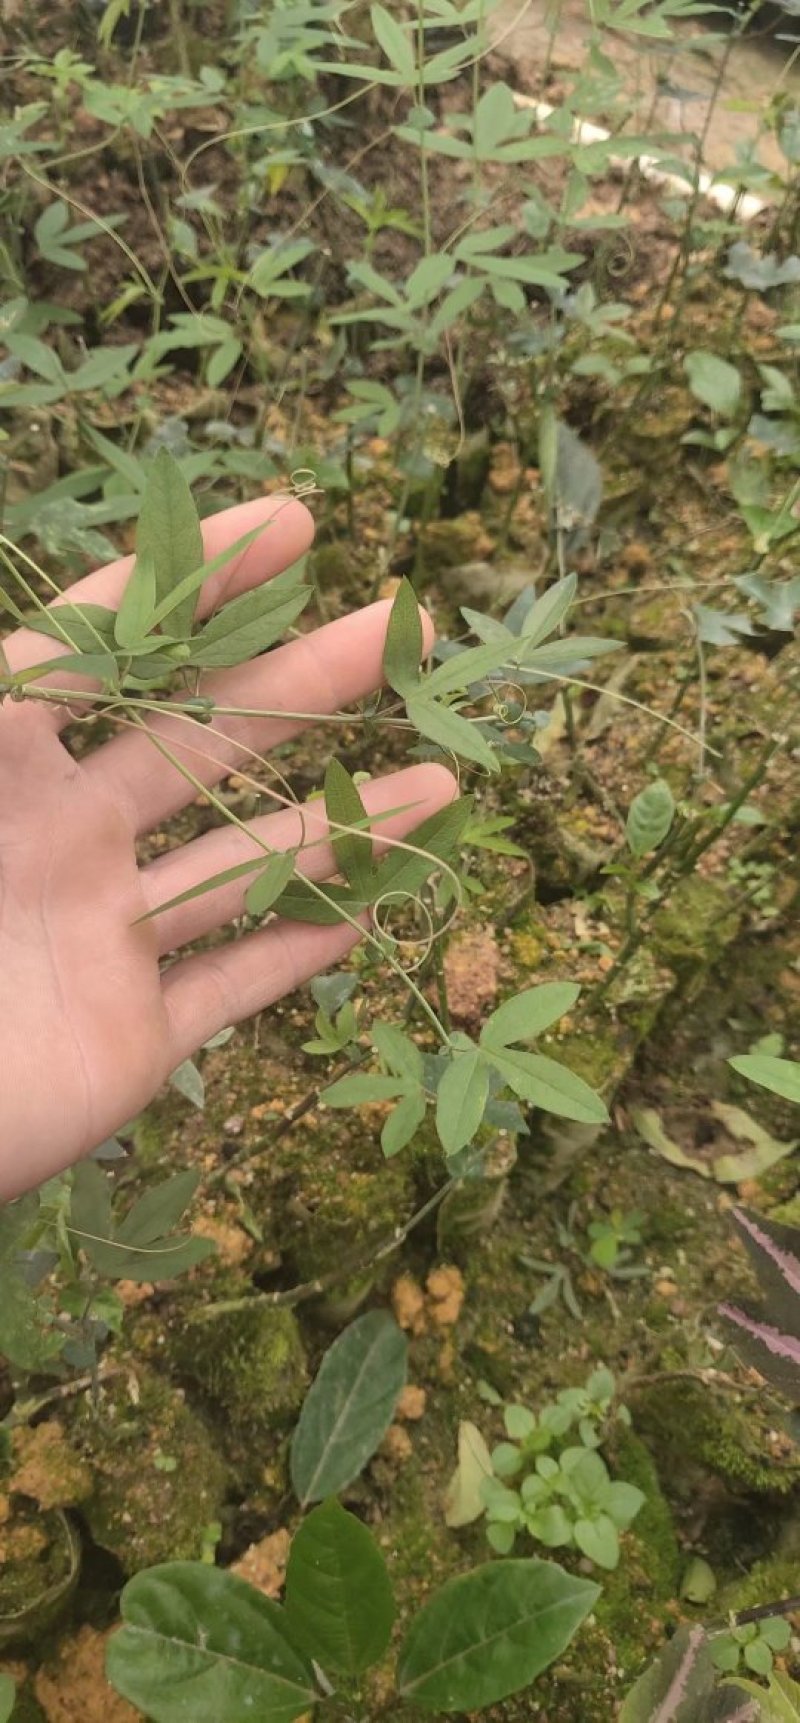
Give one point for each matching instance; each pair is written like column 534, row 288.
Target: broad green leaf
column 714, row 382
column 339, row 1601
column 463, row 1501
column 546, row 1084
column 779, row 1704
column 90, row 1200
column 428, row 279
column 8, row 1695
column 168, row 534
column 25, row 1339
column 398, row 1051
column 273, row 879
column 189, row 587
column 403, row 1122
column 461, row 1100
column 160, row 1209
column 358, row 1090
column 395, row 42
column 349, row 1406
column 529, row 1013
column 199, row 1645
column 402, row 653
column 782, row 1076
column 598, row 1539
column 489, row 1633
column 441, row 724
column 353, row 850
column 135, row 614
column 650, row 817
column 495, row 119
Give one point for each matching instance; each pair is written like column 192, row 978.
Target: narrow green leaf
column 135, row 614
column 168, row 534
column 246, row 627
column 81, row 626
column 781, row 1076
column 301, row 902
column 398, row 1051
column 273, row 879
column 437, row 838
column 8, row 1695
column 461, row 1100
column 189, row 587
column 349, row 1407
column 450, row 731
column 339, row 1602
column 90, row 1200
column 544, row 616
column 198, row 1643
column 546, row 1084
column 395, row 42
column 529, row 1013
column 489, row 1633
column 428, row 279
column 402, row 654
column 353, row 850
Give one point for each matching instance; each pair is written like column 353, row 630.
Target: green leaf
column 357, row 1091
column 168, row 534
column 714, row 382
column 781, row 1076
column 200, row 1644
column 398, row 1051
column 437, row 838
column 353, row 850
column 650, row 817
column 428, row 279
column 403, row 1122
column 598, row 1539
column 25, row 1339
column 301, row 901
column 402, row 653
column 529, row 1013
column 395, row 42
column 549, row 611
column 780, row 1703
column 160, row 1209
column 489, row 1633
column 548, row 1085
column 90, row 1200
column 274, row 878
column 135, row 614
column 78, row 625
column 349, row 1406
column 8, row 1694
column 461, row 1100
column 339, row 1601
column 441, row 724
column 251, row 623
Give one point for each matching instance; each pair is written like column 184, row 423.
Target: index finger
column 288, row 532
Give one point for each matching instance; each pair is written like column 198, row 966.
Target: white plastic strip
column 726, row 197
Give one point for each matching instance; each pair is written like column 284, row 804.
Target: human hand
column 90, row 1023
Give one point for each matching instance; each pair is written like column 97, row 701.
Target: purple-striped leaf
column 775, row 1355
column 775, row 1253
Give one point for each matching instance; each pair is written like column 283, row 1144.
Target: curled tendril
column 503, row 710
column 395, row 899
column 303, row 481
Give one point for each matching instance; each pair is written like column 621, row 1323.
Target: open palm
column 92, row 1019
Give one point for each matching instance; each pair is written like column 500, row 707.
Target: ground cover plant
column 470, row 1198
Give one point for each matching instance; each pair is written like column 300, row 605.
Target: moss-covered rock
column 157, row 1477
column 690, row 1428
column 695, row 926
column 39, row 1564
column 249, row 1362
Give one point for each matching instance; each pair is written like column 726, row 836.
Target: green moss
column 635, row 1593
column 695, row 925
column 250, row 1362
column 141, row 1509
column 689, row 1427
column 39, row 1559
